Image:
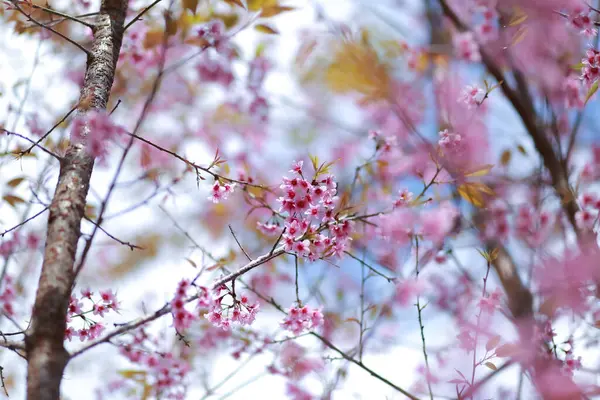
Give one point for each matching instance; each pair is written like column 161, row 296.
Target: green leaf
column 591, row 92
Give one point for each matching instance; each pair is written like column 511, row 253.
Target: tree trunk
column 46, row 354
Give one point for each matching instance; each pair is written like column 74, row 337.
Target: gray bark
column 46, row 355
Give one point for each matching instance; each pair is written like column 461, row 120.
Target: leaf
column 236, row 3
column 264, row 28
column 192, row 263
column 352, row 320
column 191, row 5
column 153, row 38
column 492, row 343
column 591, row 92
column 481, row 171
column 473, row 193
column 518, row 17
column 15, row 182
column 357, row 68
column 274, row 10
column 507, row 350
column 170, row 24
column 549, row 307
column 255, row 5
column 135, row 374
column 505, row 157
column 13, row 200
column 519, row 36
column 491, row 366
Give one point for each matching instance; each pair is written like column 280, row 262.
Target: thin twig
column 86, row 51
column 24, row 222
column 63, row 15
column 34, row 143
column 130, row 245
column 45, row 135
column 421, row 326
column 139, row 16
column 238, row 243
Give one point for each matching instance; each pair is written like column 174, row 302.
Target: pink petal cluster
column 221, row 315
column 587, row 217
column 220, row 192
column 92, row 329
column 466, row 47
column 7, row 296
column 472, row 96
column 580, row 19
column 308, row 205
column 96, row 130
column 300, row 319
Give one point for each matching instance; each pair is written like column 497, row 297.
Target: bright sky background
column 160, row 277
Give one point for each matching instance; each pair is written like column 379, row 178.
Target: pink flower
column 96, row 129
column 436, row 224
column 472, row 96
column 300, row 319
column 466, row 47
column 221, row 192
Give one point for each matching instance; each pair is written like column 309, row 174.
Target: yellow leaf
column 134, row 374
column 274, row 10
column 153, row 38
column 15, row 182
column 491, row 366
column 519, row 36
column 468, row 192
column 482, row 171
column 170, row 24
column 505, row 157
column 255, row 5
column 264, row 28
column 190, row 5
column 357, row 68
column 518, row 17
column 13, row 200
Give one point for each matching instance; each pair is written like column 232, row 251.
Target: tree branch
column 44, row 341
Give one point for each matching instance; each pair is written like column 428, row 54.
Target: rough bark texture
column 46, row 354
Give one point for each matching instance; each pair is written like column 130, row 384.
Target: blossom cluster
column 309, row 204
column 221, row 192
column 162, row 373
column 241, row 312
column 106, row 302
column 300, row 319
column 590, row 71
column 580, row 19
column 213, row 306
column 7, row 296
column 96, row 130
column 466, row 47
column 587, row 217
column 133, row 50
